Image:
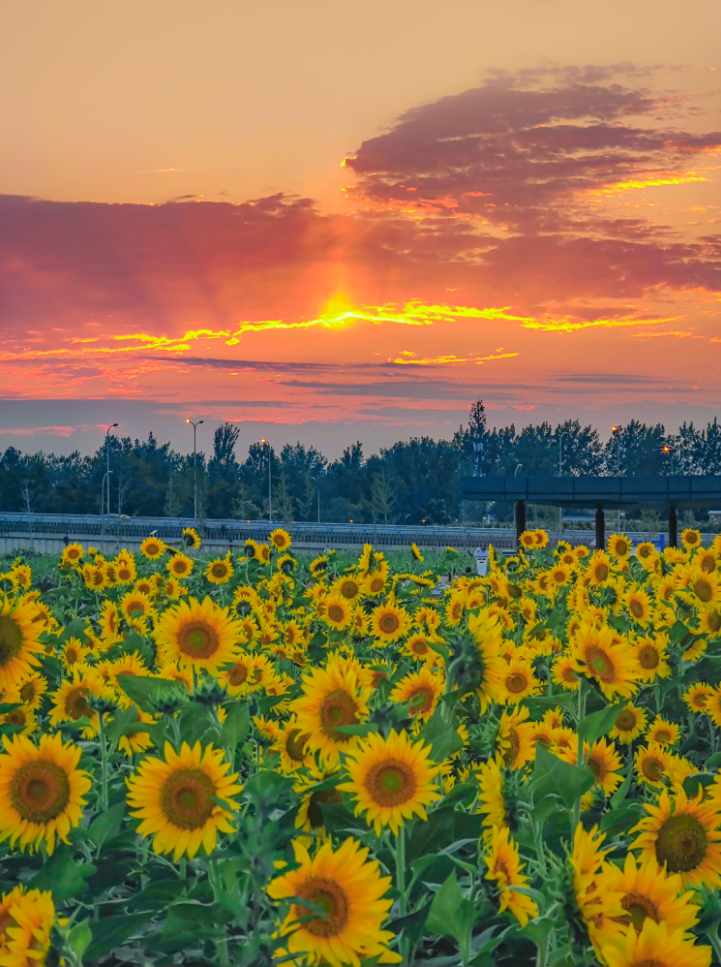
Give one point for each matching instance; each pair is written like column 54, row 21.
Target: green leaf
column 452, row 915
column 109, row 933
column 441, row 736
column 236, row 725
column 141, row 689
column 596, row 724
column 79, row 938
column 62, row 875
column 107, row 825
column 553, row 776
column 124, row 721
column 620, row 794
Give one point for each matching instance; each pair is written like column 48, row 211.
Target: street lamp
column 616, row 430
column 561, row 435
column 107, row 468
column 668, row 451
column 265, row 443
column 195, row 468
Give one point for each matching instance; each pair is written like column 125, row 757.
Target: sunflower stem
column 103, row 766
column 713, row 936
column 401, row 869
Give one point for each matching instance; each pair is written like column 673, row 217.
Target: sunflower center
column 27, row 692
column 516, row 683
column 647, row 656
column 40, row 791
column 17, row 717
column 652, row 768
column 337, row 708
column 219, row 570
column 295, row 744
column 420, row 647
column 389, row 623
column 601, row 572
column 663, row 736
column 332, row 900
column 349, row 589
column 703, row 590
column 198, row 640
column 601, row 664
column 714, row 620
column 638, row 908
column 336, row 612
column 682, row 843
column 186, row 798
column 76, row 702
column 11, row 639
column 391, row 783
column 626, row 720
column 376, row 585
column 636, row 609
column 621, row 548
column 420, row 700
column 597, row 769
column 569, row 675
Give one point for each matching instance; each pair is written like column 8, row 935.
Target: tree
column 382, row 499
column 243, row 506
column 283, row 508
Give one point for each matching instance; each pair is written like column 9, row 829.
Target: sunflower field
column 261, row 759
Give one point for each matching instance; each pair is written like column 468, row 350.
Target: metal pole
column 270, row 493
column 195, row 468
column 107, row 469
column 319, row 500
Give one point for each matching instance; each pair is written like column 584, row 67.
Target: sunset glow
column 359, row 257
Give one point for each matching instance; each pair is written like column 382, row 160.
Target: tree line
column 414, row 481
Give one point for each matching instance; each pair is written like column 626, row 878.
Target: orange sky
column 334, row 223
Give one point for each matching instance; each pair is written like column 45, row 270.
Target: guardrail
column 51, row 532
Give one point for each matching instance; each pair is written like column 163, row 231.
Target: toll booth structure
column 667, row 495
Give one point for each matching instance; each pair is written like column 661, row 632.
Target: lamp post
column 561, row 435
column 616, row 430
column 265, row 443
column 195, row 467
column 107, row 465
column 668, row 451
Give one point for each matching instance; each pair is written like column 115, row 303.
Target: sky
column 329, row 222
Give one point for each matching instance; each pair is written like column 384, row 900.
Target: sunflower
column 125, row 571
column 349, row 890
column 652, row 764
column 620, row 546
column 290, row 743
column 335, row 695
column 528, row 540
column 280, row 539
column 650, row 655
column 683, row 834
column 376, row 580
column 41, row 791
column 26, row 920
column 197, row 634
column 504, row 867
column 630, row 722
column 519, row 681
column 22, row 718
column 29, row 691
column 389, row 622
column 604, row 762
column 560, row 574
column 94, row 577
column 415, row 552
column 710, row 621
column 262, row 553
column 650, row 893
column 134, row 605
column 662, row 732
column 656, row 945
column 713, row 707
column 391, row 779
column 72, row 700
column 599, row 570
column 514, row 742
column 540, row 538
column 153, row 548
column 703, row 588
column 18, row 641
column 145, row 586
column 176, row 799
column 180, row 565
column 219, row 571
column 608, row 663
column 421, row 690
column 691, row 539
column 191, row 538
column 492, row 796
column 638, row 603
column 488, row 667
column 417, row 647
column 73, row 654
column 455, row 606
column 337, row 612
column 698, row 695
column 565, row 672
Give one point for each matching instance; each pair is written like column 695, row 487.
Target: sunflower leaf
column 593, row 726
